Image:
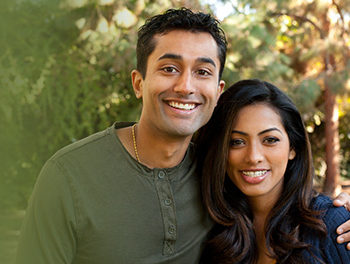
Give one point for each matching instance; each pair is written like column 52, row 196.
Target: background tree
column 65, row 73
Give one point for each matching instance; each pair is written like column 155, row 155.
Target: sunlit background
column 65, row 73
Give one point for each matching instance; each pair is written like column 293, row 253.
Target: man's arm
column 48, row 230
column 332, row 251
column 343, row 199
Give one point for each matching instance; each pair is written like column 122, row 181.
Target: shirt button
column 171, row 229
column 161, row 175
column 167, row 202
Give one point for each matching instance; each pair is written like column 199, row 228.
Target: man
column 129, row 194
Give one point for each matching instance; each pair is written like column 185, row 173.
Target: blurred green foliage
column 56, row 87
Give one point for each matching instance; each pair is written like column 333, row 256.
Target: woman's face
column 259, row 152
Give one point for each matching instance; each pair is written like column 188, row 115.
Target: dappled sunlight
column 125, row 18
column 65, row 73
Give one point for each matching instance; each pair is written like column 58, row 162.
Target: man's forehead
column 180, row 31
column 205, row 45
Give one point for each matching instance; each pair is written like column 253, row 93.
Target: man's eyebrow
column 206, row 60
column 260, row 133
column 170, row 56
column 179, row 57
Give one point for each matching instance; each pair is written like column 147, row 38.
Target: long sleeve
column 48, row 234
column 327, row 249
column 335, row 253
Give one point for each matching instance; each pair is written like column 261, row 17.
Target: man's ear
column 220, row 88
column 137, row 83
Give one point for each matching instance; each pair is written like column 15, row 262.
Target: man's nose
column 185, row 84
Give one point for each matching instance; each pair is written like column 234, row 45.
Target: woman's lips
column 254, row 176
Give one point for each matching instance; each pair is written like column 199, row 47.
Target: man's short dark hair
column 173, row 19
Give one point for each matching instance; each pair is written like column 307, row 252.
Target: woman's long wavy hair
column 233, row 239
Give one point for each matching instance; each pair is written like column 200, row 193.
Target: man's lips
column 182, row 105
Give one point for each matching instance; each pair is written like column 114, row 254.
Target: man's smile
column 181, row 106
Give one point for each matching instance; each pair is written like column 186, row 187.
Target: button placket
column 167, row 206
column 171, row 229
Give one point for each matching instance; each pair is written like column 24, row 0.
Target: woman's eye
column 271, row 140
column 236, row 142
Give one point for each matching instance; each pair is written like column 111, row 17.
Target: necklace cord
column 134, row 142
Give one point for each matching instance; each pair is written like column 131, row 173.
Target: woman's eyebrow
column 260, row 133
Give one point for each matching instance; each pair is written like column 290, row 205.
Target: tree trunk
column 332, row 141
column 331, row 118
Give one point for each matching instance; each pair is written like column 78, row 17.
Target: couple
column 131, row 194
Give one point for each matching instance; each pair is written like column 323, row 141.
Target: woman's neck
column 263, row 253
column 261, row 207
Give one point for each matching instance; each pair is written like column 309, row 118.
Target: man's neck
column 155, row 150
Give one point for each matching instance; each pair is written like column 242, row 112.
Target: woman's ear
column 291, row 154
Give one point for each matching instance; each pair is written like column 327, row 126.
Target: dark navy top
column 327, row 249
column 324, row 249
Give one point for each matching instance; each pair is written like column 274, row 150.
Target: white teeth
column 182, row 106
column 254, row 173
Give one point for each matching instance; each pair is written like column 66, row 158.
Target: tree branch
column 343, row 30
column 340, row 14
column 302, row 19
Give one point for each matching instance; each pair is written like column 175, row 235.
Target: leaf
column 337, row 82
column 306, row 93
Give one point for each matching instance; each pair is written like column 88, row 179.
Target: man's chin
column 183, row 130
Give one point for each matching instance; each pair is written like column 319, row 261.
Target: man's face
column 182, row 84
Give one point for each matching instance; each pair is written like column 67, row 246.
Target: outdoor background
column 65, row 73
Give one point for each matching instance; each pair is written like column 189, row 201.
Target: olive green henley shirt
column 93, row 203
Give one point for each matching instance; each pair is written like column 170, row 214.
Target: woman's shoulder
column 332, row 216
column 321, row 202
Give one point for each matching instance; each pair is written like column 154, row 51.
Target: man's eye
column 271, row 140
column 203, row 72
column 169, row 69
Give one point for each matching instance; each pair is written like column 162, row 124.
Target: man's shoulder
column 98, row 141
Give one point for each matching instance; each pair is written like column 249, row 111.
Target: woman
column 257, row 183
